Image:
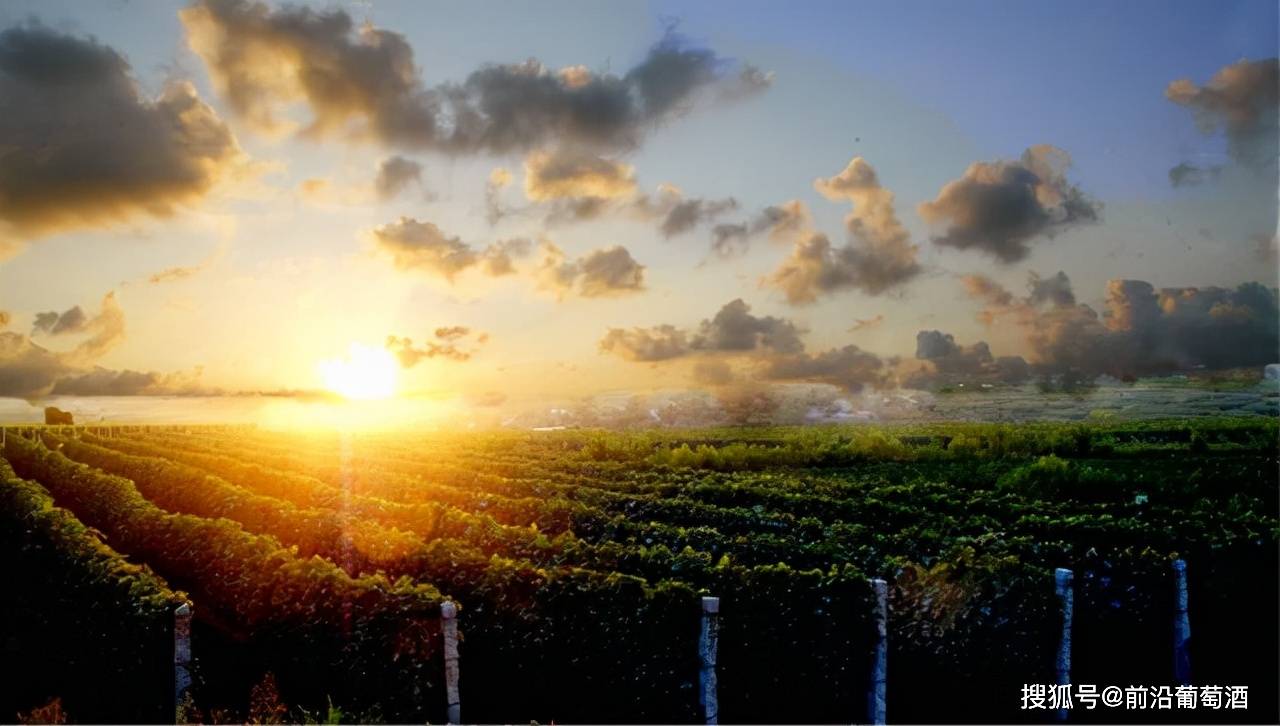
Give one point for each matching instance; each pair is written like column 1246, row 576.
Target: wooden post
column 1181, row 626
column 876, row 704
column 1063, row 586
column 181, row 658
column 449, row 629
column 707, row 644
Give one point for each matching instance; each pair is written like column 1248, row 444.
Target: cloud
column 689, row 213
column 497, row 259
column 1001, row 207
column 581, row 187
column 1142, row 330
column 1242, row 100
column 713, row 372
column 174, row 274
column 878, row 256
column 646, row 345
column 106, row 382
column 953, row 361
column 395, row 174
column 83, row 147
column 733, row 329
column 362, row 83
column 575, row 174
column 447, row 343
column 29, row 370
column 779, row 222
column 609, row 272
column 1189, row 175
column 861, row 324
column 849, row 368
column 72, row 321
column 946, row 361
column 421, row 246
column 499, row 179
column 1055, row 289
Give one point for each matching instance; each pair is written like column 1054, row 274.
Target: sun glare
column 365, row 374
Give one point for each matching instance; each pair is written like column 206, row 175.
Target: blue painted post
column 1063, row 585
column 1181, row 626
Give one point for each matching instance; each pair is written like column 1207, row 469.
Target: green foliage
column 84, row 617
column 578, row 557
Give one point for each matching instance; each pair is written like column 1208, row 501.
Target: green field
column 316, row 565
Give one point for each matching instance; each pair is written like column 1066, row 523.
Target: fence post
column 449, row 630
column 1063, row 586
column 707, row 643
column 1181, row 626
column 876, row 704
column 181, row 658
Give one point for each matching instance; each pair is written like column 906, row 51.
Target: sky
column 515, row 200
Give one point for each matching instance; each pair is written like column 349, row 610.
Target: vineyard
column 579, row 562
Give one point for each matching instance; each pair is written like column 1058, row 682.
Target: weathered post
column 876, row 704
column 449, row 630
column 1063, row 586
column 181, row 658
column 707, row 643
column 1181, row 626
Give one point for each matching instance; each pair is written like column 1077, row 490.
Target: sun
column 365, row 374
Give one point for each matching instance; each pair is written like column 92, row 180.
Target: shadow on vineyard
column 321, row 571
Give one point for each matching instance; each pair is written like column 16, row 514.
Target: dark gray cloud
column 395, row 174
column 363, row 83
column 582, row 188
column 421, row 246
column 609, row 272
column 29, row 370
column 849, row 368
column 733, row 329
column 1189, row 175
column 104, row 382
column 877, row 257
column 816, row 268
column 779, row 222
column 1055, row 289
column 689, row 213
column 82, row 145
column 72, row 321
column 1241, row 99
column 944, row 362
column 1002, row 207
column 1142, row 330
